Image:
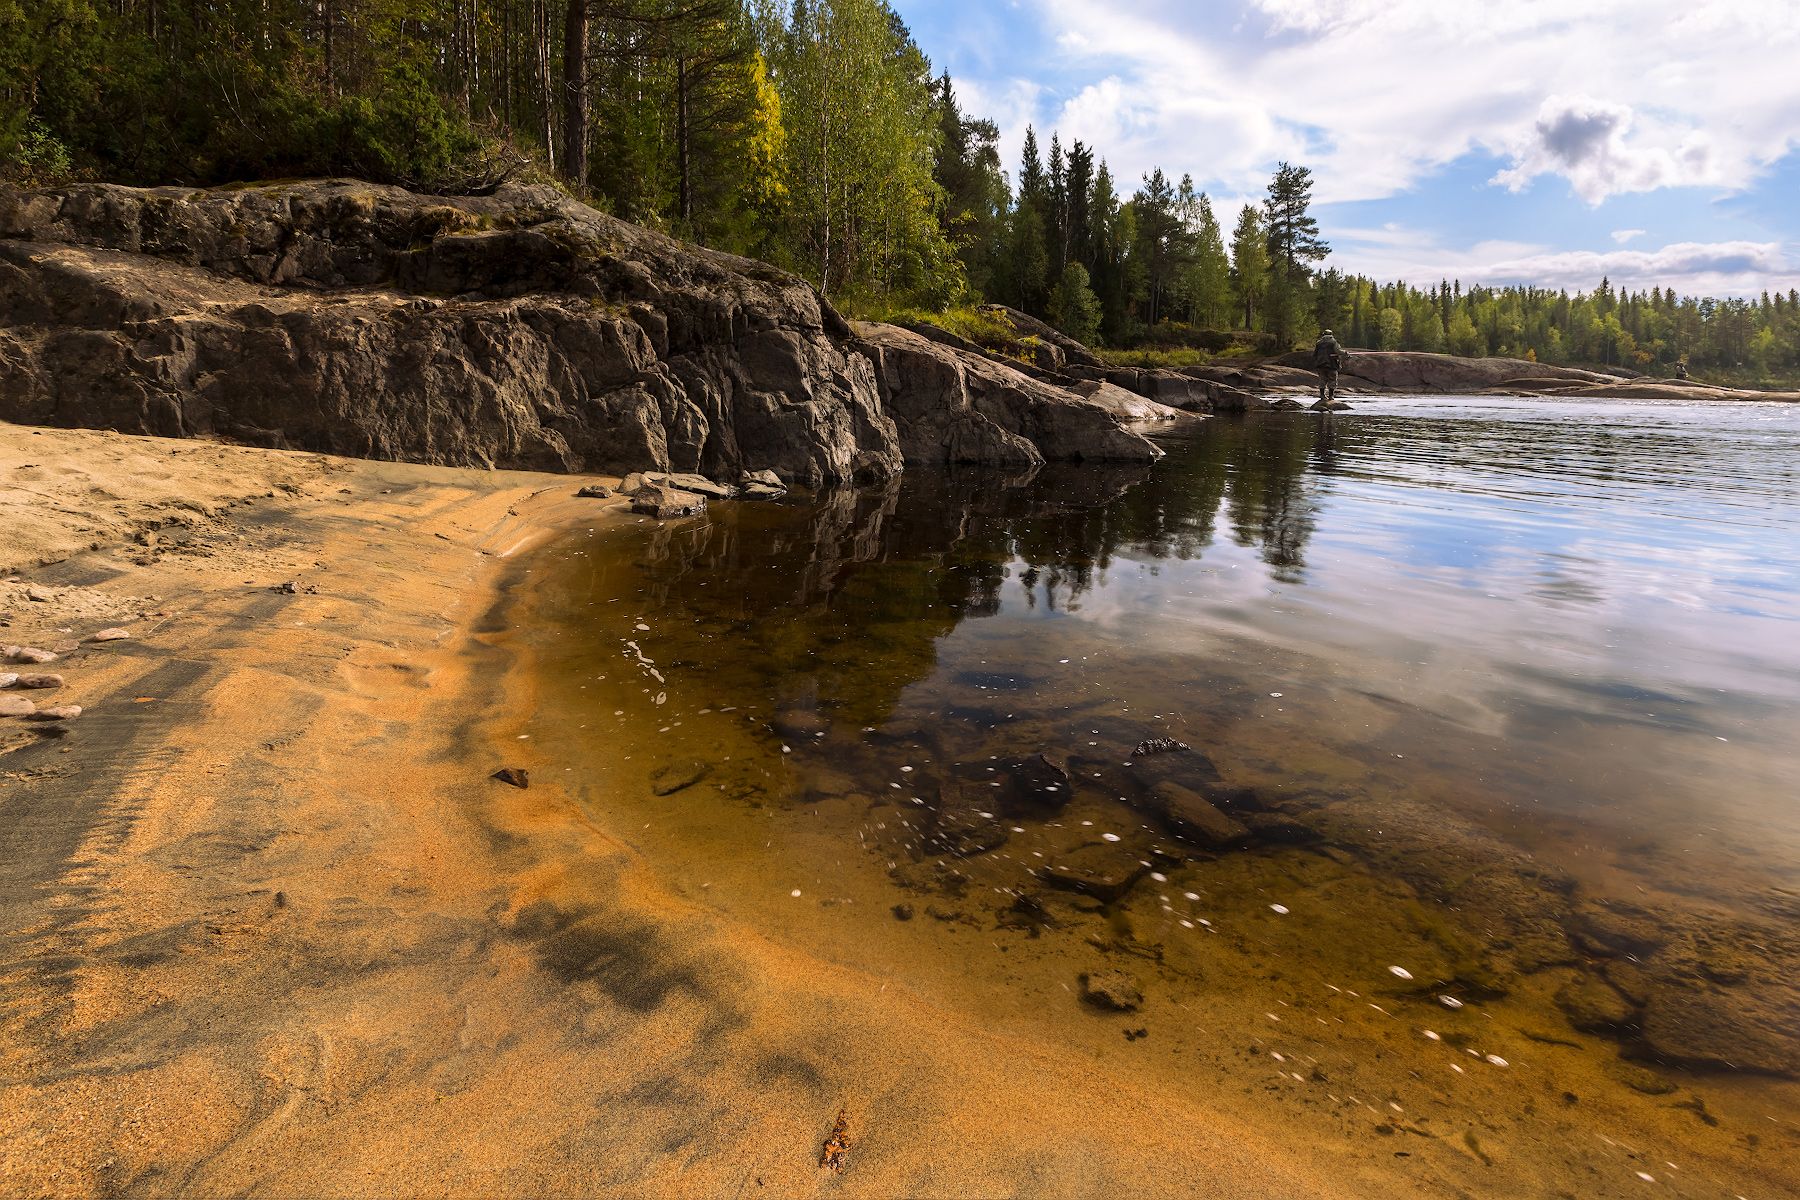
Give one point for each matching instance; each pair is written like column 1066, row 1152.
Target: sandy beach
column 270, row 928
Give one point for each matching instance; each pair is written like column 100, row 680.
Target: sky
column 1548, row 142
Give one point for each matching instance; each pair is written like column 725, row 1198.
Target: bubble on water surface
column 1402, row 972
column 795, row 893
column 1433, row 1035
column 1279, row 908
column 1450, row 1002
column 1111, row 837
column 1498, row 1061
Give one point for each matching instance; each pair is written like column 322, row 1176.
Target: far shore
column 271, row 928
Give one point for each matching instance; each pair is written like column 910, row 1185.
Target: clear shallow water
column 1499, row 692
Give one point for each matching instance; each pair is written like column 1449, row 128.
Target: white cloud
column 1613, row 96
column 1587, row 142
column 1623, row 236
column 1732, row 268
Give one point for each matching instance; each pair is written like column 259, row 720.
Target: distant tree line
column 811, row 133
column 1648, row 331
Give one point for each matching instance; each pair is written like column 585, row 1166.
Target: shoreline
column 273, row 930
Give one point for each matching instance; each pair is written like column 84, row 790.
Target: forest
column 814, row 135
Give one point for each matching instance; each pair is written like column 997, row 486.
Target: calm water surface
column 1479, row 868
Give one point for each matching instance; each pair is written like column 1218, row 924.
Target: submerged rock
column 1593, row 1006
column 1719, row 1028
column 517, row 777
column 16, row 706
column 1033, row 784
column 678, row 776
column 594, row 491
column 1104, row 871
column 1114, row 990
column 1193, row 818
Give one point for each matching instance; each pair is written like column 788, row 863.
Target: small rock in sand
column 30, row 654
column 42, row 595
column 57, row 712
column 16, row 706
column 8, row 678
column 41, row 680
column 290, row 588
column 110, row 635
column 517, row 777
column 1116, row 990
column 594, row 491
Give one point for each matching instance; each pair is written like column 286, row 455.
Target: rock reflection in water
column 952, row 678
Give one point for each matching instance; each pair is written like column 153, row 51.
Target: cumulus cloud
column 1613, row 96
column 1623, row 236
column 1589, row 143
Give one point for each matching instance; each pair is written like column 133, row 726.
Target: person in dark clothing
column 1681, row 369
column 1328, row 360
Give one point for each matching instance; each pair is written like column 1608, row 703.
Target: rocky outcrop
column 956, row 406
column 518, row 330
column 515, row 330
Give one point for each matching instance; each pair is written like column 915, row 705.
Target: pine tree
column 1294, row 245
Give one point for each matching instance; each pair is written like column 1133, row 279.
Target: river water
column 1474, row 858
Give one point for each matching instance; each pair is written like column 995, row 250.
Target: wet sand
column 268, row 928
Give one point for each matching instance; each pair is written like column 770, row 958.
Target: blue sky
column 1541, row 141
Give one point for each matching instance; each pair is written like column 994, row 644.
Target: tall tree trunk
column 329, row 11
column 683, row 146
column 546, row 103
column 575, row 95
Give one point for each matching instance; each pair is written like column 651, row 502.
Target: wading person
column 1328, row 360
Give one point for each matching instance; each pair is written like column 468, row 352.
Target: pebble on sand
column 57, row 712
column 110, row 635
column 8, row 678
column 16, row 706
column 30, row 654
column 41, row 681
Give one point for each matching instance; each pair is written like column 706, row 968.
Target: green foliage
column 1166, row 360
column 1729, row 341
column 1249, row 264
column 36, row 158
column 858, row 102
column 1074, row 308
